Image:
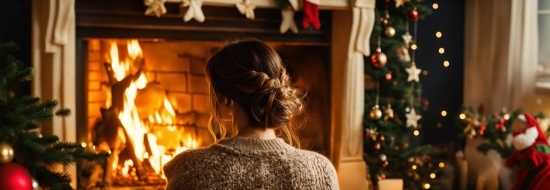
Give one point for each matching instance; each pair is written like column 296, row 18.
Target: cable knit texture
column 245, row 163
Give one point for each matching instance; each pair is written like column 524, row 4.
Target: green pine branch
column 20, row 117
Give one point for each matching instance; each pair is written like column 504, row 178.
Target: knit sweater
column 245, row 163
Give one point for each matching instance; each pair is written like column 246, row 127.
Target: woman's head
column 251, row 74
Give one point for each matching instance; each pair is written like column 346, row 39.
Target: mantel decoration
column 392, row 111
column 26, row 155
column 288, row 8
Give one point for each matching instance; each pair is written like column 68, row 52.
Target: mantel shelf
column 324, row 4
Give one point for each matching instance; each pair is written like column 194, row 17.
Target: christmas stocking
column 311, row 14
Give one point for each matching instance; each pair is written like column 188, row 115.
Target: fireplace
column 145, row 94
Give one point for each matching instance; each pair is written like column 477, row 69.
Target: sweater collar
column 251, row 145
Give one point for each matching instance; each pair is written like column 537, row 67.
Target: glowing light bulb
column 446, row 63
column 441, row 164
column 432, row 175
column 435, row 6
column 414, row 47
column 416, row 132
column 427, row 186
column 443, row 113
column 438, row 34
column 441, row 50
column 462, row 116
column 413, row 167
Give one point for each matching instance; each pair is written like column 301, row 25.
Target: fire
column 140, row 130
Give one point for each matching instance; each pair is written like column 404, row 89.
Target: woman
column 250, row 88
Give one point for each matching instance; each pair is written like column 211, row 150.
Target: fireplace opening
column 147, row 101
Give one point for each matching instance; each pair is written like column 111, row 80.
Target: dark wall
column 15, row 25
column 442, row 86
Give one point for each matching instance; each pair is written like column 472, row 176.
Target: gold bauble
column 375, row 113
column 389, row 32
column 6, row 153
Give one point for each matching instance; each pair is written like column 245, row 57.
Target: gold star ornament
column 413, row 73
column 412, row 119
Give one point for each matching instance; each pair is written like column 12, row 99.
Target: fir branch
column 63, row 157
column 63, row 112
column 25, row 75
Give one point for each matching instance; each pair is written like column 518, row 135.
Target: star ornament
column 413, row 73
column 155, row 7
column 407, row 38
column 194, row 11
column 412, row 119
column 246, row 8
column 399, row 3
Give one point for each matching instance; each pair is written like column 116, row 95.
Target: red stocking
column 311, row 14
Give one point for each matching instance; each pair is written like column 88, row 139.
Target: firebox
column 144, row 95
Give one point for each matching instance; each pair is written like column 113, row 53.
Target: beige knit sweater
column 245, row 163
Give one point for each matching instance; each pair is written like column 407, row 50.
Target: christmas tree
column 392, row 104
column 25, row 154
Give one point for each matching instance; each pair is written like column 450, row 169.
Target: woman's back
column 246, row 163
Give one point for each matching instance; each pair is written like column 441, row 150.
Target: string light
column 446, row 63
column 506, row 117
column 427, row 186
column 441, row 50
column 416, row 132
column 435, row 6
column 413, row 167
column 462, row 116
column 441, row 164
column 443, row 113
column 438, row 34
column 432, row 175
column 83, row 144
column 425, row 72
column 414, row 47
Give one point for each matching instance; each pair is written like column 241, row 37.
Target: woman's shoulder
column 188, row 160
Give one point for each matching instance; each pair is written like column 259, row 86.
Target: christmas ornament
column 35, row 184
column 311, row 14
column 482, row 130
column 377, row 146
column 384, row 22
column 6, row 153
column 413, row 73
column 389, row 32
column 388, row 76
column 15, row 177
column 375, row 113
column 385, row 164
column 407, row 38
column 399, row 3
column 388, row 113
column 378, row 59
column 194, row 11
column 288, row 20
column 413, row 14
column 383, row 157
column 372, row 133
column 403, row 54
column 382, row 138
column 412, row 119
column 155, row 7
column 246, row 8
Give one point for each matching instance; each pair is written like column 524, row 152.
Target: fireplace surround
column 343, row 41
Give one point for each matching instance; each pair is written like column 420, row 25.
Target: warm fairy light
column 462, row 116
column 425, row 72
column 432, row 175
column 446, row 63
column 438, row 34
column 435, row 6
column 506, row 116
column 83, row 144
column 441, row 164
column 427, row 186
column 141, row 82
column 439, row 125
column 443, row 113
column 416, row 132
column 441, row 50
column 414, row 47
column 413, row 167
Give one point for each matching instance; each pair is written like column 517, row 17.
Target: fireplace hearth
column 145, row 97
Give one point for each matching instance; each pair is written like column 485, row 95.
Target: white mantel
column 323, row 4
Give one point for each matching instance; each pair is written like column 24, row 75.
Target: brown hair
column 251, row 73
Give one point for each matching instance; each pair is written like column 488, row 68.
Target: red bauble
column 377, row 146
column 382, row 138
column 388, row 76
column 14, row 177
column 378, row 59
column 384, row 22
column 413, row 14
column 384, row 164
